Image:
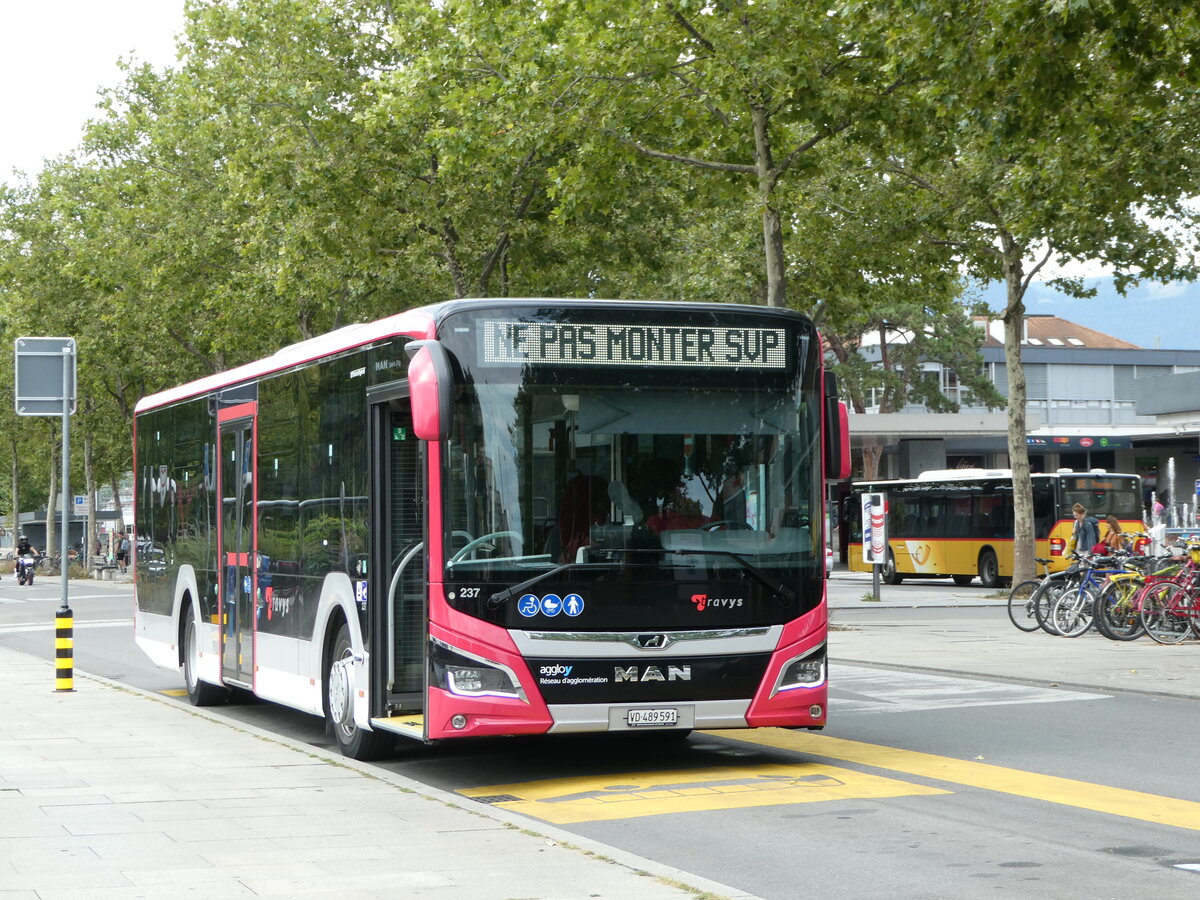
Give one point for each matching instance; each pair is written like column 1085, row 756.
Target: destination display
column 544, row 343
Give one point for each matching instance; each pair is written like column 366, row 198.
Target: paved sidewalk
column 991, row 647
column 110, row 792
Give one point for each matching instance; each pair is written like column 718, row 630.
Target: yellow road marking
column 592, row 798
column 175, row 692
column 1064, row 791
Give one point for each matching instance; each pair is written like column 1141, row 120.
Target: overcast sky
column 56, row 57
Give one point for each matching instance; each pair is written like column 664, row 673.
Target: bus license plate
column 652, row 717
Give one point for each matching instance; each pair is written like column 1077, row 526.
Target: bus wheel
column 200, row 693
column 889, row 573
column 989, row 569
column 354, row 742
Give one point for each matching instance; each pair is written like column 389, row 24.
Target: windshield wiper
column 780, row 591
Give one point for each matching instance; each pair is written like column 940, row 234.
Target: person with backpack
column 122, row 551
column 1087, row 529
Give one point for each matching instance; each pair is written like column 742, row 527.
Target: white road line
column 49, row 626
column 72, row 597
column 861, row 690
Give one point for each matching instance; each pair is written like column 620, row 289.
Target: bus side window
column 1043, row 510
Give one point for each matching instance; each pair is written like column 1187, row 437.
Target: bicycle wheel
column 1020, row 605
column 1166, row 613
column 1116, row 614
column 1043, row 601
column 1072, row 613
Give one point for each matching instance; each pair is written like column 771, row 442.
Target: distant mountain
column 1155, row 316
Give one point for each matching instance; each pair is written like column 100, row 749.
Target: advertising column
column 874, row 519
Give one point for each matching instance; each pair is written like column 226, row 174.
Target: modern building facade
column 1094, row 401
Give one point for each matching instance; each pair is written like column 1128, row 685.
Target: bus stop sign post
column 874, row 523
column 45, row 386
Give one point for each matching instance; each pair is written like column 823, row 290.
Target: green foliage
column 310, row 163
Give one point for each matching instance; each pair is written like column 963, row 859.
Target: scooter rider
column 23, row 547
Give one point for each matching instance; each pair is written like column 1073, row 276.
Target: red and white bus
column 491, row 517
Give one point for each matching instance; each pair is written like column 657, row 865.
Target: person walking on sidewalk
column 122, row 551
column 1087, row 530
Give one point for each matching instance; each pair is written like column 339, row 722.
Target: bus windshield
column 539, row 477
column 1101, row 495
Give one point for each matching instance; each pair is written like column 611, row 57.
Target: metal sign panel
column 40, row 381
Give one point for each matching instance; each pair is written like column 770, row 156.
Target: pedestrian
column 1114, row 539
column 122, row 551
column 1087, row 530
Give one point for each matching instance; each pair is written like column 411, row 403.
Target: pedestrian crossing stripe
column 596, row 798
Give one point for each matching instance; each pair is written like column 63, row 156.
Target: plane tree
column 1051, row 132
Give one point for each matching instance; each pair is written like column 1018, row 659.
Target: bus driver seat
column 629, row 510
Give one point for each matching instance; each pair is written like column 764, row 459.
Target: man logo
column 652, row 641
column 651, row 673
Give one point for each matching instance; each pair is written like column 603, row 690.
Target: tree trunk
column 872, row 449
column 116, row 491
column 872, row 452
column 1018, row 446
column 772, row 227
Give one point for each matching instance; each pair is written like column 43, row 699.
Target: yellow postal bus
column 958, row 523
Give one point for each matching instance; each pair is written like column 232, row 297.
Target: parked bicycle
column 1022, row 599
column 1169, row 610
column 1073, row 611
column 1117, row 614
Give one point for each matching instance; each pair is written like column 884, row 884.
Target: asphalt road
column 924, row 785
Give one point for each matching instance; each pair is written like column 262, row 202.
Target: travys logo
column 703, row 602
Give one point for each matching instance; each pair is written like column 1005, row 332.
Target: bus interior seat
column 552, row 544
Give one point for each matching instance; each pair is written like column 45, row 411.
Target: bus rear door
column 238, row 541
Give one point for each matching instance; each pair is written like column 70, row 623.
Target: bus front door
column 237, row 542
column 397, row 590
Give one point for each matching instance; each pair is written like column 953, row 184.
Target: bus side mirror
column 430, row 382
column 837, row 433
column 844, row 441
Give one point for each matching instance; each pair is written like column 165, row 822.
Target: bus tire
column 889, row 574
column 354, row 742
column 989, row 569
column 200, row 693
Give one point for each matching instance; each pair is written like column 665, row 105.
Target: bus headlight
column 467, row 675
column 805, row 671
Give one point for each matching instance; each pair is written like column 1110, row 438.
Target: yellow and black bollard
column 64, row 650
